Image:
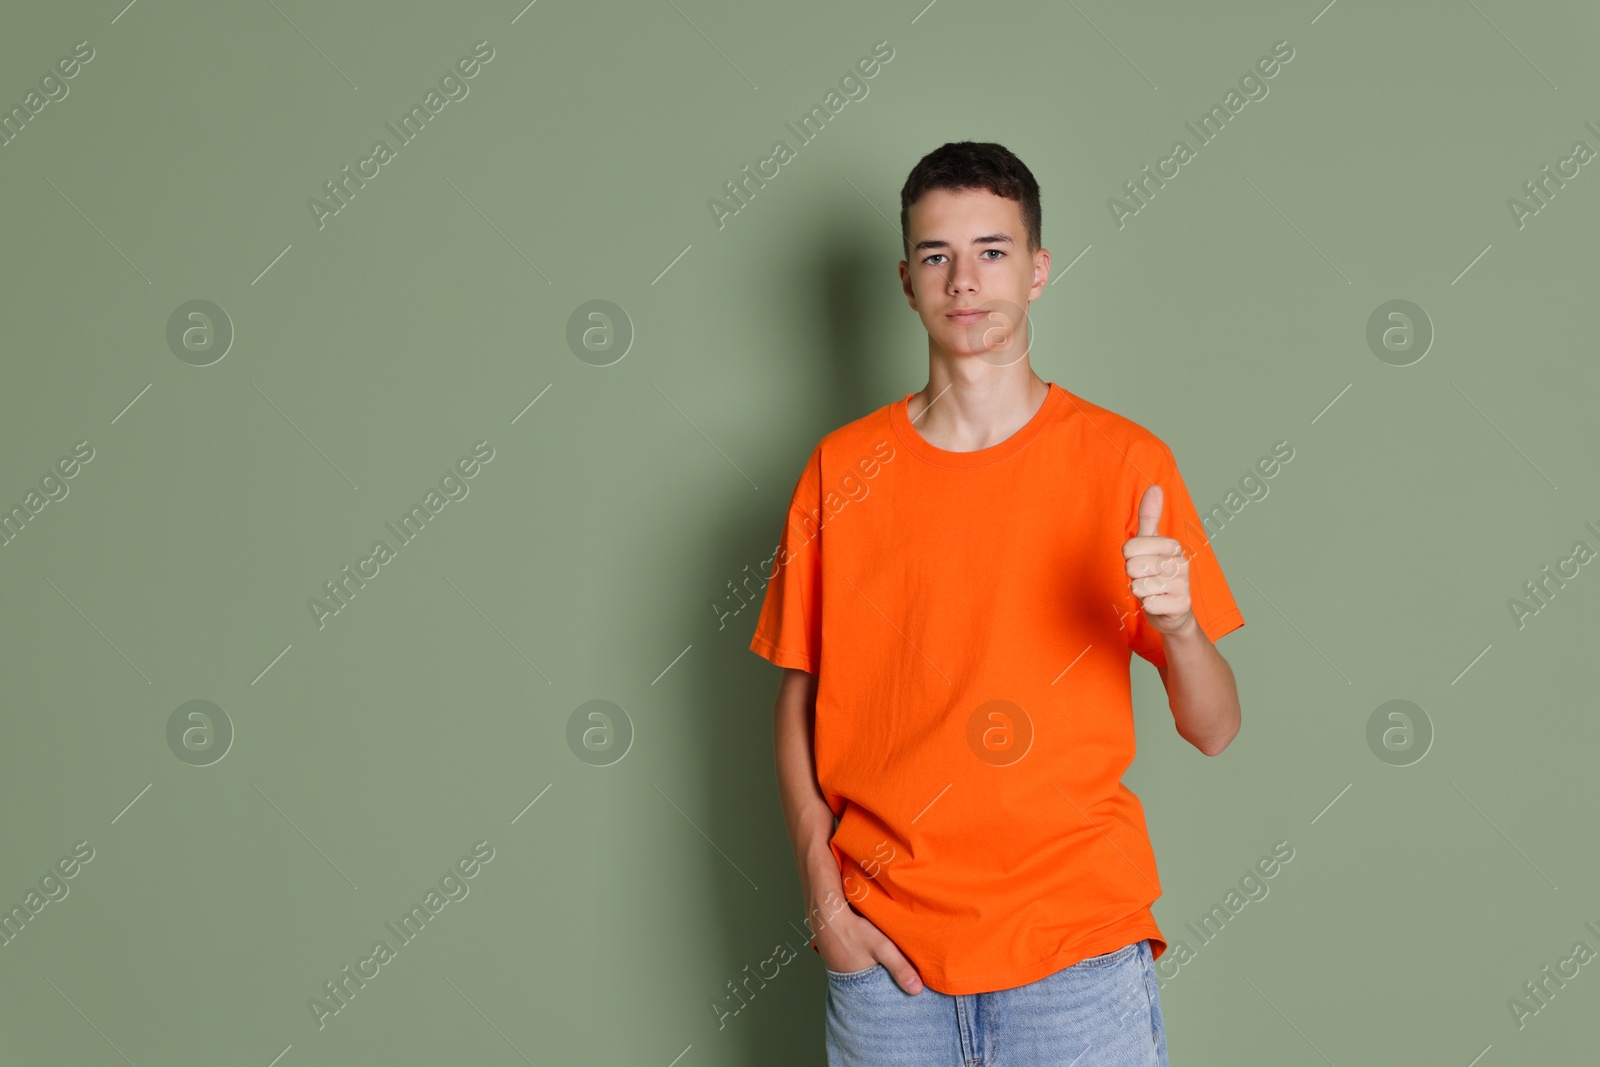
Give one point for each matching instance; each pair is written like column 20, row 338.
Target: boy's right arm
column 846, row 940
column 806, row 811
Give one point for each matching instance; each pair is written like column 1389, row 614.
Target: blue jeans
column 1104, row 1011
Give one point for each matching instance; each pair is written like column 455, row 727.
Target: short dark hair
column 961, row 165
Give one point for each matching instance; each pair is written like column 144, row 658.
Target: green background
column 590, row 556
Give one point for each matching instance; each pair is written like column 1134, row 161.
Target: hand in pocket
column 850, row 942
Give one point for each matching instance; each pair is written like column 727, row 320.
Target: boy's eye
column 940, row 255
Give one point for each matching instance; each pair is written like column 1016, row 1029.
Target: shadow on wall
column 846, row 299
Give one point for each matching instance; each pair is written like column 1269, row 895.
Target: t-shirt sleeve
column 789, row 629
column 1209, row 596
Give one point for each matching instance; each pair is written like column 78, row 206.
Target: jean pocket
column 1116, row 956
column 852, row 976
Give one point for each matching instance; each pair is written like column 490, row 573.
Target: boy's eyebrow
column 986, row 239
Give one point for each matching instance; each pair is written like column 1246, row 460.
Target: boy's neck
column 963, row 413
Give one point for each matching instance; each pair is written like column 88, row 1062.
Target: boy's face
column 969, row 250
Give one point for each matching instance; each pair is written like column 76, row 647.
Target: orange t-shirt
column 969, row 620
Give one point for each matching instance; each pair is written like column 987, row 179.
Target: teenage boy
column 962, row 580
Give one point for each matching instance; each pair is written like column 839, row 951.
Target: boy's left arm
column 1200, row 689
column 1200, row 684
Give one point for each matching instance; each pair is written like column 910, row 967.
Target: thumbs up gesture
column 1158, row 570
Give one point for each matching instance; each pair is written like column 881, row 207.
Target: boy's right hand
column 850, row 942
